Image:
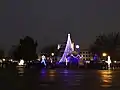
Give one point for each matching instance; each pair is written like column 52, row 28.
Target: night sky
column 49, row 21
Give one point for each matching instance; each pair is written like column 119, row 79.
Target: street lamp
column 77, row 46
column 3, row 59
column 52, row 54
column 52, row 58
column 104, row 54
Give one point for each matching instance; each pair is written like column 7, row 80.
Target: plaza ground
column 59, row 79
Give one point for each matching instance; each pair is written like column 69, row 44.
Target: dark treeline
column 26, row 49
column 50, row 49
column 2, row 53
column 108, row 43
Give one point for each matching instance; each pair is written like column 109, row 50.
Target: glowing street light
column 3, row 59
column 52, row 54
column 104, row 54
column 21, row 63
column 77, row 46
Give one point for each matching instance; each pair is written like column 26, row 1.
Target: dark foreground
column 59, row 79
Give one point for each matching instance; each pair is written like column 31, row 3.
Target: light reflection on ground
column 84, row 79
column 20, row 71
column 59, row 79
column 106, row 78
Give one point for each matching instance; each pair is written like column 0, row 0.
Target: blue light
column 43, row 71
column 43, row 60
column 95, row 57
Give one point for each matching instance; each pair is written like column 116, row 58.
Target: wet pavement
column 59, row 79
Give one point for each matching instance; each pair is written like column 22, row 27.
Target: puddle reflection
column 106, row 78
column 47, row 75
column 52, row 75
column 65, row 72
column 20, row 71
column 43, row 72
column 2, row 65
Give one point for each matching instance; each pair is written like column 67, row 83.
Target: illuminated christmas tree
column 68, row 49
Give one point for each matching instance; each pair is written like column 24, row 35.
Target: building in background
column 86, row 55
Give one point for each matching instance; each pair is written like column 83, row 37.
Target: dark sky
column 49, row 21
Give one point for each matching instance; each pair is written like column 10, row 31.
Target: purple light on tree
column 67, row 51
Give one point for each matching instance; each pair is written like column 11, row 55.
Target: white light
column 115, row 61
column 106, row 61
column 87, row 61
column 0, row 61
column 43, row 57
column 58, row 46
column 38, row 59
column 51, row 60
column 77, row 46
column 81, row 56
column 3, row 59
column 66, row 62
column 21, row 62
column 68, row 34
column 52, row 54
column 11, row 60
column 109, row 61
